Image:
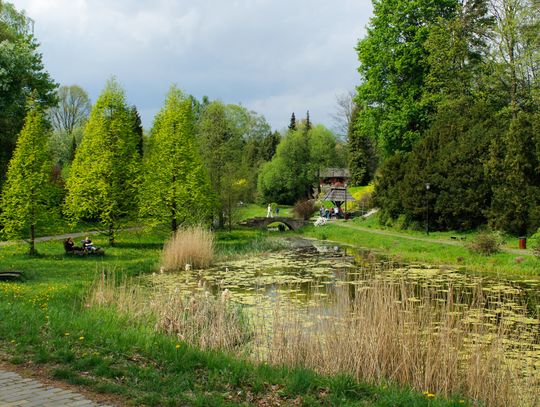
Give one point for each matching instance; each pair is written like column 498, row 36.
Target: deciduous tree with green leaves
column 176, row 186
column 393, row 66
column 103, row 181
column 21, row 74
column 24, row 196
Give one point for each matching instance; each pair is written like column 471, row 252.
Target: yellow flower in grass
column 13, row 341
column 81, row 338
column 177, row 346
column 430, row 395
column 66, row 333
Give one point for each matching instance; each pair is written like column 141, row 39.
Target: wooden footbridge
column 262, row 222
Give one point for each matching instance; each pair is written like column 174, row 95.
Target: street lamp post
column 427, row 208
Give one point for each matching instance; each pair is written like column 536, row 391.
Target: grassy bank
column 408, row 250
column 47, row 321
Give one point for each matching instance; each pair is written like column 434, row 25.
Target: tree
column 25, row 194
column 68, row 118
column 176, row 185
column 293, row 172
column 137, row 129
column 72, row 110
column 292, row 124
column 21, row 74
column 221, row 148
column 103, row 181
column 345, row 107
column 362, row 154
column 308, row 123
column 393, row 66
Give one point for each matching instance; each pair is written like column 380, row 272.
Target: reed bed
column 192, row 247
column 199, row 319
column 398, row 332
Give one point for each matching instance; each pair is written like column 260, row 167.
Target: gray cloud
column 273, row 56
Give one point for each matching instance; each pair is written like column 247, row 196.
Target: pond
column 316, row 295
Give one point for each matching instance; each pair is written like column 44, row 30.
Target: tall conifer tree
column 176, row 186
column 24, row 197
column 104, row 177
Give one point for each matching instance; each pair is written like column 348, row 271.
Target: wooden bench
column 11, row 275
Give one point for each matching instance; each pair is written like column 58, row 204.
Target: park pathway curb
column 17, row 391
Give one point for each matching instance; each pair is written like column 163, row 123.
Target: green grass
column 46, row 322
column 510, row 242
column 406, row 250
column 249, row 211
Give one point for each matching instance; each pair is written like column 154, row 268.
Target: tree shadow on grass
column 135, row 245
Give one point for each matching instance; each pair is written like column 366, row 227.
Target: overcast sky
column 272, row 56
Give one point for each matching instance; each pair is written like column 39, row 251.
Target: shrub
column 304, row 208
column 487, row 243
column 192, row 246
column 536, row 249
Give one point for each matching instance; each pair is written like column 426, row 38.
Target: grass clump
column 487, row 243
column 191, row 247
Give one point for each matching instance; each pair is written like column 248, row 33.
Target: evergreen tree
column 176, row 186
column 292, row 124
column 103, row 181
column 25, row 193
column 308, row 123
column 137, row 129
column 362, row 155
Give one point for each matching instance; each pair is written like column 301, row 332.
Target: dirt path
column 420, row 239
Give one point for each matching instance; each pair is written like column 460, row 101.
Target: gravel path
column 17, row 391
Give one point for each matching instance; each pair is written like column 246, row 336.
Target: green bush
column 487, row 243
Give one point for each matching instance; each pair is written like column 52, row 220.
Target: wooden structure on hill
column 334, row 177
column 338, row 196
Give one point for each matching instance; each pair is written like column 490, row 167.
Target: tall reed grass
column 199, row 319
column 403, row 333
column 192, row 247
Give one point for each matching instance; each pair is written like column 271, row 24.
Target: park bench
column 11, row 275
column 79, row 251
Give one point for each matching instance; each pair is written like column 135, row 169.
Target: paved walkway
column 17, row 391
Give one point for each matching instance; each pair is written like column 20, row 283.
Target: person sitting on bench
column 69, row 246
column 87, row 245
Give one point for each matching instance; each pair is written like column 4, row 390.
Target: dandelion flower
column 81, row 338
column 66, row 334
column 177, row 346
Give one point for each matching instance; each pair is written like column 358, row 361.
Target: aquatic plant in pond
column 433, row 328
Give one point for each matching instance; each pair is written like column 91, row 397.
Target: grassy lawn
column 408, row 250
column 510, row 242
column 46, row 322
column 253, row 210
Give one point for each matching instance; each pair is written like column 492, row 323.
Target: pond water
column 309, row 278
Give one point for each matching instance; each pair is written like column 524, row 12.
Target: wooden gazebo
column 338, row 196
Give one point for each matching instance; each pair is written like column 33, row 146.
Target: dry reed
column 199, row 319
column 188, row 248
column 412, row 335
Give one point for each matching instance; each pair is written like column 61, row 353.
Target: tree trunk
column 111, row 235
column 32, row 251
